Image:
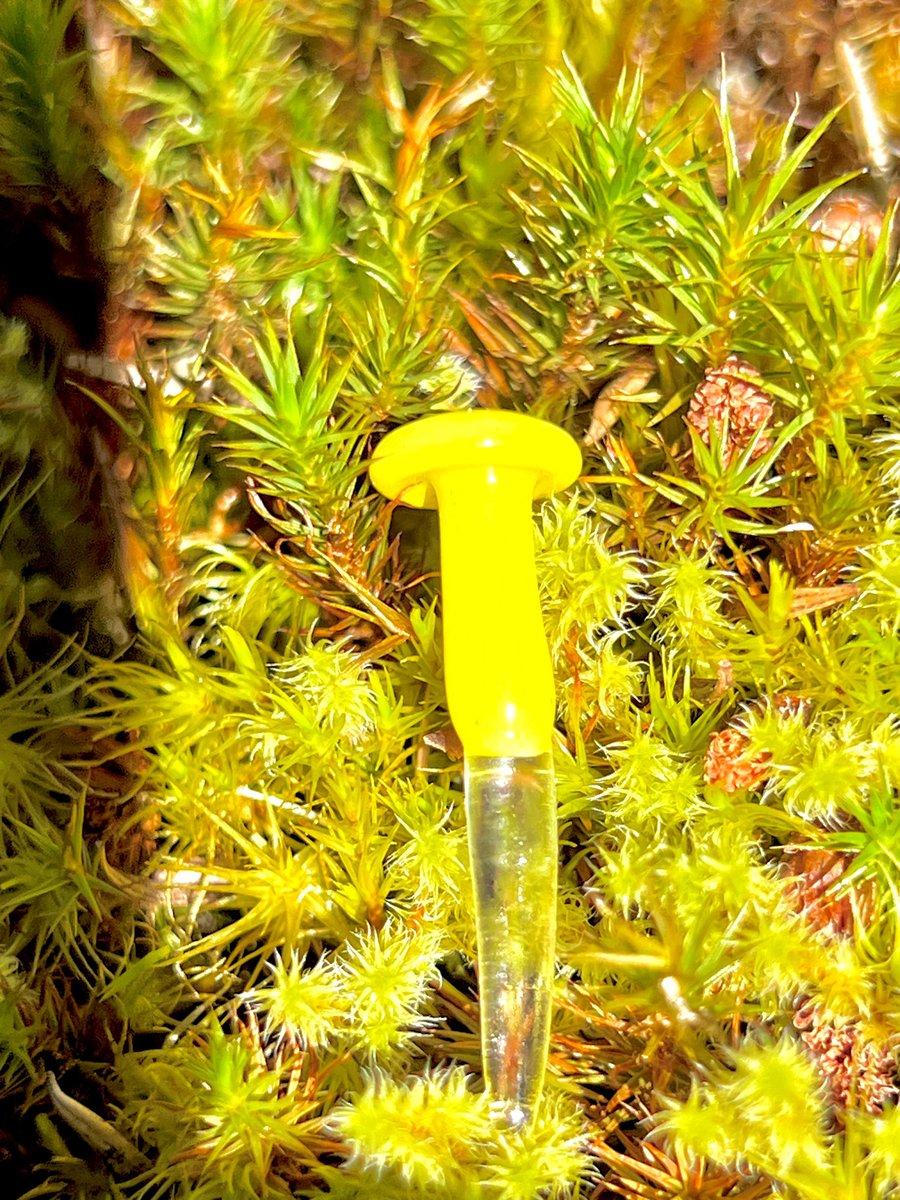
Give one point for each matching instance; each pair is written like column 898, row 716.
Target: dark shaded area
column 54, row 273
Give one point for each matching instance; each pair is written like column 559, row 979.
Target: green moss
column 234, row 880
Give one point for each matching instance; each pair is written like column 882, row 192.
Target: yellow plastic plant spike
column 483, row 470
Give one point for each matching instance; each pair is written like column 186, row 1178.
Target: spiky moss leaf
column 369, row 996
column 214, row 1115
column 242, row 741
column 882, row 752
column 476, row 38
column 431, row 862
column 783, row 960
column 228, row 591
column 850, row 663
column 17, row 1032
column 626, row 867
column 685, row 917
column 689, row 592
column 385, row 974
column 42, row 146
column 873, row 844
column 826, row 767
column 427, row 1131
column 323, row 708
column 575, row 787
column 50, row 885
column 878, row 577
column 649, row 788
column 767, row 1112
column 572, row 917
column 594, row 207
column 25, row 410
column 278, row 892
column 829, row 771
column 585, row 587
column 717, row 869
column 147, row 990
column 884, row 1149
column 433, row 1136
column 334, row 683
column 224, row 56
column 27, row 779
column 599, row 688
column 400, row 370
column 306, row 1006
column 720, row 922
column 286, row 432
column 546, row 1159
column 886, row 445
column 837, row 316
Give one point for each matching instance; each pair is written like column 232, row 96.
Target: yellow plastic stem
column 483, row 470
column 497, row 668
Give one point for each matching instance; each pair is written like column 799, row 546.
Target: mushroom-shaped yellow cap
column 407, row 460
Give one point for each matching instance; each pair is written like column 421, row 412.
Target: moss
column 234, row 885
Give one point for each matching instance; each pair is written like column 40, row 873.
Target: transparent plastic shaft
column 511, row 813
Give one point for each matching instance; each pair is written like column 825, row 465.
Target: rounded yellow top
column 407, row 459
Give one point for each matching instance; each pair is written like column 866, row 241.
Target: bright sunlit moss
column 235, row 898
